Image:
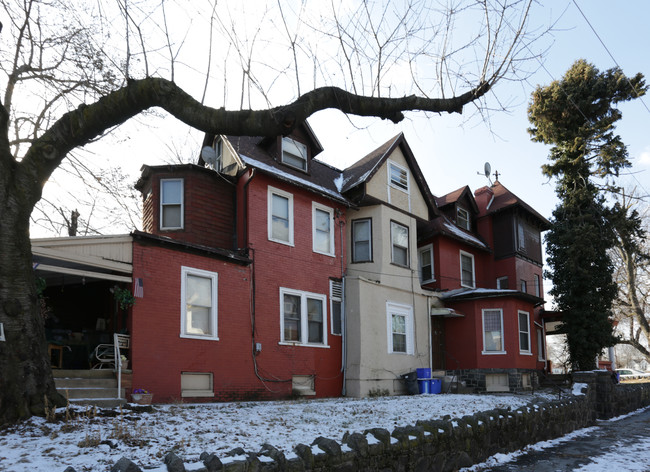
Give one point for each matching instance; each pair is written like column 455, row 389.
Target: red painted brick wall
column 159, row 354
column 295, row 267
column 465, row 336
column 209, row 208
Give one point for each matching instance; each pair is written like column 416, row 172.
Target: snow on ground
column 94, row 444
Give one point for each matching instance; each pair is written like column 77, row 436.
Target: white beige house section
column 387, row 312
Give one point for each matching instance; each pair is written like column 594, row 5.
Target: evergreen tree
column 576, row 116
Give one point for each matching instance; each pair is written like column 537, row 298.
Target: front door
column 438, row 343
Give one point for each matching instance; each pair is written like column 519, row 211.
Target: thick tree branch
column 79, row 127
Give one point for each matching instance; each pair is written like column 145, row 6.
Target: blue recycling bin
column 436, row 385
column 424, row 385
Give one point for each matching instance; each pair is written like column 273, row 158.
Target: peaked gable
column 365, row 172
column 503, row 199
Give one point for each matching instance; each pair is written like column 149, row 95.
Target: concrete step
column 99, row 402
column 84, row 374
column 69, row 382
column 90, row 392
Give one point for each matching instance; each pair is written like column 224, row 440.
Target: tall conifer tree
column 576, row 116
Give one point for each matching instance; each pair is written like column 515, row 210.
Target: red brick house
column 486, row 259
column 259, row 322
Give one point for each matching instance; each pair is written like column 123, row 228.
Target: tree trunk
column 25, row 373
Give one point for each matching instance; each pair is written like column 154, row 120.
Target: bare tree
column 76, row 71
column 631, row 259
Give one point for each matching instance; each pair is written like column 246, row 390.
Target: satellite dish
column 209, row 155
column 487, row 168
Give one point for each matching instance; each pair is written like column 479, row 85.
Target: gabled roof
column 504, row 199
column 322, row 178
column 442, row 225
column 364, row 169
column 457, row 195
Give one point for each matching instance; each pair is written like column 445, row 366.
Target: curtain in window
column 322, row 231
column 492, row 330
column 291, row 318
column 198, row 299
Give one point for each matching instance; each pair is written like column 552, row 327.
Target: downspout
column 430, row 337
column 344, row 344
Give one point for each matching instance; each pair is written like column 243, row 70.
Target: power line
column 610, row 54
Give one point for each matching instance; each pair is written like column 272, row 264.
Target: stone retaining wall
column 435, row 445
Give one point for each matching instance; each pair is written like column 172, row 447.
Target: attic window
column 294, row 153
column 398, row 176
column 462, row 218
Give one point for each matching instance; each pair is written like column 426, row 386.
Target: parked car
column 632, row 374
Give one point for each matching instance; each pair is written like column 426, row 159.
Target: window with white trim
column 199, row 304
column 280, row 216
column 462, row 218
column 398, row 176
column 540, row 345
column 362, row 240
column 400, row 328
column 523, row 286
column 502, row 283
column 467, row 278
column 294, row 153
column 425, row 254
column 303, row 317
column 336, row 306
column 493, row 331
column 399, row 236
column 171, row 203
column 524, row 332
column 322, row 233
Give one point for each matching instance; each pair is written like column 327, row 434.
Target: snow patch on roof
column 292, row 178
column 462, row 234
column 339, row 182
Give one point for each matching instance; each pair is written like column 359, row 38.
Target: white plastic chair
column 108, row 355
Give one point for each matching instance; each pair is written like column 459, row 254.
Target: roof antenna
column 487, row 168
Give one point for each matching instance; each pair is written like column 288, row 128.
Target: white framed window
column 524, row 332
column 171, row 203
column 197, row 384
column 523, row 286
column 398, row 176
column 322, row 229
column 467, row 278
column 538, row 287
column 280, row 216
column 493, row 331
column 294, row 153
column 462, row 218
column 502, row 283
column 540, row 345
column 425, row 254
column 218, row 150
column 362, row 240
column 399, row 237
column 303, row 317
column 399, row 319
column 336, row 306
column 199, row 304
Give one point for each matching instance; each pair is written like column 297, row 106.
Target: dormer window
column 398, row 176
column 462, row 218
column 294, row 153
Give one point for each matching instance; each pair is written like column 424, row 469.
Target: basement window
column 303, row 385
column 197, row 384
